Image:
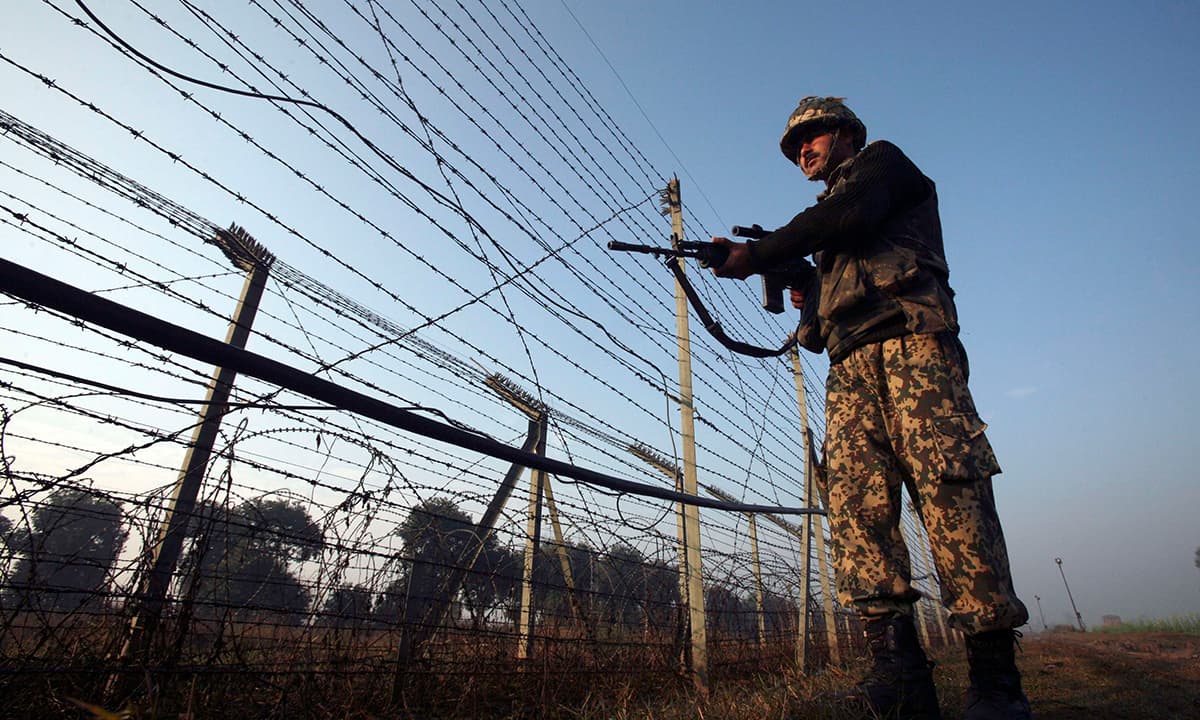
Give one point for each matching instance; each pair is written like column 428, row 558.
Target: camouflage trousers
column 899, row 414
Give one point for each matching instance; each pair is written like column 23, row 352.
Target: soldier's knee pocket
column 964, row 453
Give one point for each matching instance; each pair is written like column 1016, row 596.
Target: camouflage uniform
column 899, row 413
column 898, row 410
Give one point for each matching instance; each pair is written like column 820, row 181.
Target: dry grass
column 1179, row 624
column 1069, row 676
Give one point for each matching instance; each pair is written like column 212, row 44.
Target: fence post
column 423, row 617
column 690, row 513
column 831, row 631
column 538, row 413
column 813, row 479
column 564, row 560
column 671, row 470
column 806, row 525
column 919, row 614
column 756, row 566
column 246, row 254
column 758, row 583
column 939, row 606
column 805, row 554
column 537, row 480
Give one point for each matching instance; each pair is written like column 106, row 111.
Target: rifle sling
column 713, row 327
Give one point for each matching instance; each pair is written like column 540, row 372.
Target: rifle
column 799, row 275
column 709, row 254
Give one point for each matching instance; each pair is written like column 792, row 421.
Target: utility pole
column 1078, row 617
column 247, row 255
column 689, row 513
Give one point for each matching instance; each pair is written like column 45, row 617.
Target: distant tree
column 493, row 582
column 7, row 537
column 552, row 594
column 8, row 547
column 347, row 606
column 387, row 608
column 780, row 612
column 621, row 584
column 244, row 557
column 1198, row 557
column 662, row 595
column 65, row 558
column 439, row 537
column 436, row 531
column 279, row 528
column 726, row 612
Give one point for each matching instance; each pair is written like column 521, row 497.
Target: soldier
column 898, row 412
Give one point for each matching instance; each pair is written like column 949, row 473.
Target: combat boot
column 899, row 685
column 995, row 692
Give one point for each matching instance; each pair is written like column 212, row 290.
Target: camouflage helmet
column 813, row 110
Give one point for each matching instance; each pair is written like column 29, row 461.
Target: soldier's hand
column 797, row 298
column 737, row 265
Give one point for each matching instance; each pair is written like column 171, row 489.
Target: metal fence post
column 806, row 525
column 671, row 470
column 564, row 560
column 756, row 565
column 1078, row 617
column 538, row 414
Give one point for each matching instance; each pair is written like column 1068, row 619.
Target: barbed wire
column 321, row 539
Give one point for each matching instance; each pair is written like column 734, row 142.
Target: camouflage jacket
column 876, row 239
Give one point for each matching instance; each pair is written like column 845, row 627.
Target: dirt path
column 1096, row 676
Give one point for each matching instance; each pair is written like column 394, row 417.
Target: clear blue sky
column 1062, row 138
column 1063, row 141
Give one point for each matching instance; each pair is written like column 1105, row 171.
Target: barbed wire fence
column 332, row 558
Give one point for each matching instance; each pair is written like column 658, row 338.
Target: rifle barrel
column 649, row 249
column 754, row 232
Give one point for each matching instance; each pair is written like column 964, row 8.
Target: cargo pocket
column 965, row 450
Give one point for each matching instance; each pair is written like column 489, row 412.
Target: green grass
column 1189, row 624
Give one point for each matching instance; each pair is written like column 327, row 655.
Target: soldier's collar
column 836, row 175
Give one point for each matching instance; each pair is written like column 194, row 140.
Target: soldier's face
column 822, row 150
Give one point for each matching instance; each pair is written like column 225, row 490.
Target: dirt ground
column 1097, row 676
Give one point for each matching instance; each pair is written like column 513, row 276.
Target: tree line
column 245, row 561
